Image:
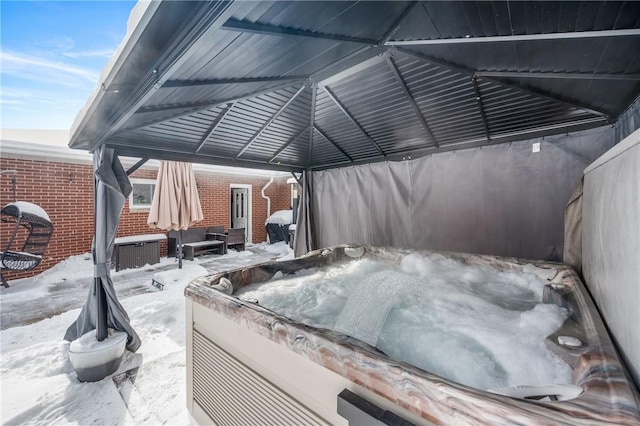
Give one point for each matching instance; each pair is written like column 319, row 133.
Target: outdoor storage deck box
column 136, row 251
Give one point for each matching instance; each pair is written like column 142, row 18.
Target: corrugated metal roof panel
column 202, row 93
column 341, row 129
column 504, row 115
column 148, row 118
column 296, row 152
column 291, row 122
column 367, row 20
column 377, row 101
column 435, row 19
column 175, row 93
column 573, row 55
column 324, row 152
column 606, row 95
column 446, row 98
column 188, row 128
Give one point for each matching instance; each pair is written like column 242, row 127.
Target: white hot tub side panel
column 611, row 243
column 310, row 384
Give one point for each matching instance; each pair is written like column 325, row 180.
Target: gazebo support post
column 101, row 310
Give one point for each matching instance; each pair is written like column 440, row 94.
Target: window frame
column 143, row 207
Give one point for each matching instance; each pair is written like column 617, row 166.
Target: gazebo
column 462, row 126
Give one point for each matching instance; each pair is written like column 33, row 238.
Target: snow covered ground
column 39, row 385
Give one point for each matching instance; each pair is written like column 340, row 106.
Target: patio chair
column 236, row 238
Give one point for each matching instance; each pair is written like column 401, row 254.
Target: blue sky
column 51, row 55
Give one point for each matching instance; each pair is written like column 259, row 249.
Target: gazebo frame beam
column 213, row 127
column 136, row 166
column 352, row 119
column 328, row 139
column 396, row 25
column 270, row 121
column 255, row 28
column 286, row 145
column 222, row 81
column 312, row 122
column 412, row 101
column 557, row 75
column 520, row 37
column 481, row 108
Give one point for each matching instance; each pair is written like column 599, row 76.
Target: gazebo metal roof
column 316, row 84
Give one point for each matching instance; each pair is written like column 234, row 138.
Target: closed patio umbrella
column 102, row 310
column 176, row 204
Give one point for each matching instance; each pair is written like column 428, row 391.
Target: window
column 142, row 194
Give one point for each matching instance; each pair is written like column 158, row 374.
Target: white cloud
column 11, row 102
column 50, row 107
column 66, row 46
column 14, row 108
column 46, row 71
column 99, row 53
column 59, row 44
column 29, row 96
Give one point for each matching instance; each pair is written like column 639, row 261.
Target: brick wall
column 65, row 192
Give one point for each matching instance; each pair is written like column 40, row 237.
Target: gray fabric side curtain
column 304, row 240
column 503, row 199
column 111, row 190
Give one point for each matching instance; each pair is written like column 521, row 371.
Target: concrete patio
column 66, row 294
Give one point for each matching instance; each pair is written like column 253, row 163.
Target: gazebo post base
column 93, row 360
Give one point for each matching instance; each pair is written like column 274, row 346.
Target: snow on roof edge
column 139, row 16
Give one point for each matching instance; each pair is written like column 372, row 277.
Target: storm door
column 239, row 207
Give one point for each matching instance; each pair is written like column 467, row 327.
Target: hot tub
column 247, row 364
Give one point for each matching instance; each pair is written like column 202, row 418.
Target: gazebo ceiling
column 296, row 85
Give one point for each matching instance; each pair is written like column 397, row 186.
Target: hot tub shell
column 247, row 364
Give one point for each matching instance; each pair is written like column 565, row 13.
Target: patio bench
column 198, row 248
